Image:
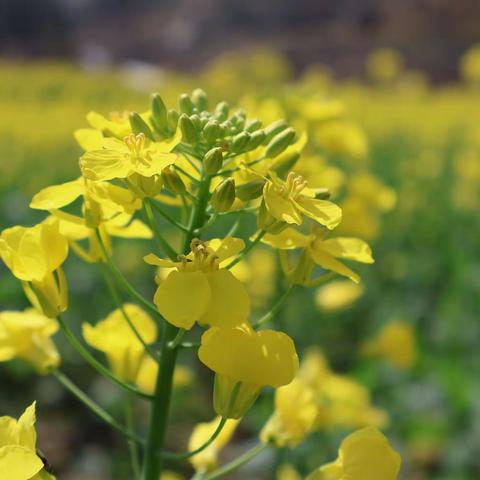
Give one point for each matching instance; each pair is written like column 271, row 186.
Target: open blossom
column 199, row 290
column 364, row 455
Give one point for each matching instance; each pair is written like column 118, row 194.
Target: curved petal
column 135, row 229
column 322, row 211
column 327, row 262
column 225, row 248
column 57, row 196
column 89, row 138
column 27, row 436
column 349, row 248
column 105, row 165
column 19, row 463
column 166, row 146
column 183, row 298
column 154, row 164
column 229, row 305
column 155, row 260
column 279, row 207
column 288, row 239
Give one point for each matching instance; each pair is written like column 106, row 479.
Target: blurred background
column 389, row 94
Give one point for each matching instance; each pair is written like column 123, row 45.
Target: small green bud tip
column 213, row 161
column 200, row 99
column 221, row 111
column 250, row 190
column 240, row 142
column 274, row 129
column 185, row 103
column 283, row 165
column 138, row 125
column 159, row 112
column 280, row 142
column 172, row 180
column 223, row 196
column 189, row 132
column 212, row 131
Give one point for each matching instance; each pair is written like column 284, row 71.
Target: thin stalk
column 247, row 249
column 190, row 345
column 181, row 170
column 148, row 202
column 178, row 338
column 238, row 462
column 121, row 280
column 316, row 282
column 235, row 226
column 95, row 408
column 236, row 169
column 94, row 363
column 275, row 309
column 132, row 446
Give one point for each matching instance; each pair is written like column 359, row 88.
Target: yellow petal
column 166, row 146
column 57, row 196
column 349, row 248
column 105, row 165
column 288, row 239
column 279, row 207
column 135, row 229
column 89, row 138
column 183, row 298
column 155, row 260
column 229, row 302
column 322, row 211
column 19, row 463
column 27, row 436
column 155, row 163
column 225, row 248
column 327, row 262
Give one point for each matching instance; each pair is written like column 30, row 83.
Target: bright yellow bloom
column 135, row 154
column 34, row 255
column 294, row 415
column 116, row 339
column 199, row 290
column 18, row 457
column 364, row 455
column 287, row 472
column 26, row 335
column 288, row 201
column 244, row 361
column 338, row 295
column 207, row 460
column 396, row 343
column 324, row 252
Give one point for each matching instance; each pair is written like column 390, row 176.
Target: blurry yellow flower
column 364, row 455
column 199, row 290
column 395, row 343
column 323, row 252
column 135, row 154
column 343, row 138
column 470, row 64
column 118, row 125
column 244, row 361
column 294, row 415
column 288, row 201
column 337, row 295
column 35, row 255
column 207, row 459
column 116, row 339
column 384, row 64
column 18, row 457
column 287, row 472
column 369, row 189
column 26, row 335
column 171, row 476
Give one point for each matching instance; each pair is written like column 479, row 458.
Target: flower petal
column 327, row 262
column 155, row 260
column 105, row 165
column 324, row 212
column 279, row 207
column 18, row 462
column 57, row 196
column 155, row 163
column 225, row 248
column 89, row 138
column 349, row 248
column 288, row 239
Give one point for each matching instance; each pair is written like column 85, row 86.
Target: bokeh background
column 389, row 92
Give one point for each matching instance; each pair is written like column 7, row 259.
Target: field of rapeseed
column 312, row 244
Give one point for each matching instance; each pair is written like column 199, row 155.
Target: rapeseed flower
column 338, row 295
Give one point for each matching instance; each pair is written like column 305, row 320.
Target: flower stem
column 249, row 247
column 132, row 446
column 275, row 309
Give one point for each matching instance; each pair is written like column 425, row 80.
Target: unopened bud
column 240, row 142
column 322, row 194
column 285, row 164
column 274, row 128
column 189, row 132
column 250, row 190
column 279, row 143
column 172, row 119
column 221, row 111
column 213, row 161
column 139, row 126
column 253, row 125
column 185, row 103
column 212, row 131
column 223, row 196
column 256, row 139
column 148, row 186
column 159, row 112
column 197, row 121
column 172, row 181
column 200, row 99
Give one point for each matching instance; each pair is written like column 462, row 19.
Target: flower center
column 293, row 185
column 136, row 145
column 203, row 259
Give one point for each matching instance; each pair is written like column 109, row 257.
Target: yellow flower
column 338, row 295
column 470, row 64
column 288, row 201
column 364, row 455
column 244, row 361
column 34, row 255
column 26, row 335
column 384, row 64
column 18, row 457
column 135, row 154
column 199, row 289
column 396, row 343
column 323, row 252
column 287, row 472
column 294, row 415
column 116, row 339
column 207, row 459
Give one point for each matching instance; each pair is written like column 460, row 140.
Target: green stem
column 149, row 202
column 178, row 338
column 244, row 253
column 121, row 280
column 95, row 408
column 94, row 363
column 132, row 446
column 238, row 462
column 275, row 309
column 181, row 170
column 320, row 280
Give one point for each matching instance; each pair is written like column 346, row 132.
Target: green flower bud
column 148, row 186
column 212, row 130
column 139, row 126
column 223, row 196
column 274, row 128
column 280, row 142
column 285, row 164
column 189, row 132
column 250, row 190
column 172, row 180
column 185, row 103
column 256, row 139
column 197, row 121
column 221, row 111
column 322, row 194
column 213, row 161
column 159, row 112
column 253, row 125
column 233, row 399
column 172, row 119
column 240, row 142
column 200, row 99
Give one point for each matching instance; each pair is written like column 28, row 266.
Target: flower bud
column 256, row 139
column 197, row 122
column 322, row 194
column 92, row 212
column 223, row 196
column 274, row 128
column 221, row 111
column 185, row 103
column 148, row 186
column 253, row 125
column 232, row 399
column 189, row 132
column 213, row 161
column 139, row 126
column 285, row 164
column 250, row 190
column 172, row 181
column 279, row 143
column 200, row 99
column 240, row 141
column 159, row 112
column 212, row 130
column 172, row 119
